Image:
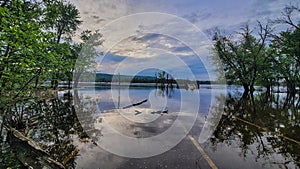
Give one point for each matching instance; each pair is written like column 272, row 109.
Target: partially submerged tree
column 85, row 53
column 62, row 19
column 24, row 48
column 286, row 46
column 34, row 47
column 242, row 56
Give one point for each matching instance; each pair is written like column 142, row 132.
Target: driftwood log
column 30, row 154
column 136, row 104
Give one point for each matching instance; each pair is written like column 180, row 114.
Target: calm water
column 253, row 132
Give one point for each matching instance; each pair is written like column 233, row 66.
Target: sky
column 168, row 35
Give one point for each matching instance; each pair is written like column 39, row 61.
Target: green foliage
column 241, row 56
column 248, row 59
column 29, row 55
column 35, row 46
column 286, row 46
column 61, row 17
column 85, row 54
column 23, row 45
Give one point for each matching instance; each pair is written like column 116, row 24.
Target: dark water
column 259, row 131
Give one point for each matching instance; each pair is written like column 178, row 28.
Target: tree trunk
column 268, row 86
column 253, row 104
column 245, row 95
column 291, row 88
column 251, row 88
column 246, row 88
column 36, row 82
column 77, row 75
column 54, row 84
column 69, row 84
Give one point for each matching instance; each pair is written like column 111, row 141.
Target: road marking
column 265, row 129
column 199, row 148
column 202, row 152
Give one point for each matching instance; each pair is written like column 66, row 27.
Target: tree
column 24, row 53
column 268, row 74
column 33, row 47
column 62, row 19
column 84, row 54
column 287, row 58
column 286, row 46
column 242, row 56
column 23, row 47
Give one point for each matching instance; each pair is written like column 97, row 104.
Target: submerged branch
column 32, row 156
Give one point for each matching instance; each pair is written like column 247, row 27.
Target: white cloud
column 130, row 36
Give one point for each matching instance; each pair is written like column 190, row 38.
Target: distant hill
column 104, row 77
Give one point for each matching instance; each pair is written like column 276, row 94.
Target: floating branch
column 136, row 104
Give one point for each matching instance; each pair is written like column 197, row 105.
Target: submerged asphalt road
column 185, row 155
column 188, row 154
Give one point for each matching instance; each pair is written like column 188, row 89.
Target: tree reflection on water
column 270, row 123
column 52, row 123
column 266, row 125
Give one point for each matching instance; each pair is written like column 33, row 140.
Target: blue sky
column 175, row 38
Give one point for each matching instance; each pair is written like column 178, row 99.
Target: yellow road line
column 265, row 129
column 200, row 149
column 208, row 159
column 252, row 124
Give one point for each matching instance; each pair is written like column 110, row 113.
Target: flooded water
column 259, row 131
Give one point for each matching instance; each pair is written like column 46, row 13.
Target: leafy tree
column 161, row 77
column 23, row 48
column 84, row 54
column 61, row 18
column 286, row 46
column 288, row 59
column 242, row 56
column 33, row 47
column 268, row 76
